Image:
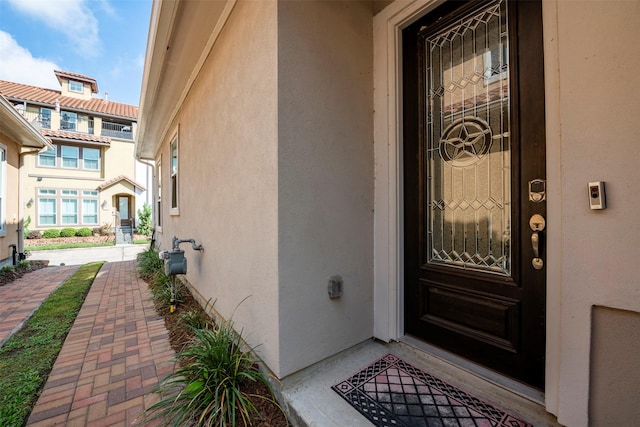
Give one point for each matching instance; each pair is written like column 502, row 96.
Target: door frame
column 388, row 191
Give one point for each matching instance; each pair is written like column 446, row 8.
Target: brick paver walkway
column 115, row 353
column 20, row 298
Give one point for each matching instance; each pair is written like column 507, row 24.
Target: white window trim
column 82, row 212
column 73, row 90
column 174, row 210
column 76, row 201
column 62, row 147
column 55, row 158
column 60, row 194
column 39, row 197
column 158, row 201
column 99, row 159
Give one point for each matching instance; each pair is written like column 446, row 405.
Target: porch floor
column 312, row 402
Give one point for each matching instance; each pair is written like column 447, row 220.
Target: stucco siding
column 598, row 107
column 11, row 208
column 325, row 177
column 227, row 169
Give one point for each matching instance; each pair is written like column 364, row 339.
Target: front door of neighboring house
column 123, row 209
column 474, row 184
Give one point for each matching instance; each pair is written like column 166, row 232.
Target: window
column 69, row 208
column 75, row 207
column 91, row 158
column 47, row 207
column 90, row 207
column 159, row 197
column 174, row 174
column 70, row 156
column 3, row 183
column 48, row 158
column 75, row 86
column 68, row 120
column 45, row 118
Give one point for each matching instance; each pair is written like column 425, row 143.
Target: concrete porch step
column 310, row 400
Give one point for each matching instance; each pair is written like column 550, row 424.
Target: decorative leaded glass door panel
column 473, row 139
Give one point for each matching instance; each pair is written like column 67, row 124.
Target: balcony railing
column 80, row 124
column 44, row 121
column 117, row 130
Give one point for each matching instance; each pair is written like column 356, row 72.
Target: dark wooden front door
column 474, row 175
column 124, row 204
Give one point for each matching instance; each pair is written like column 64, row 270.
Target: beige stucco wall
column 228, row 177
column 325, row 177
column 11, row 199
column 117, row 159
column 593, row 106
column 614, row 385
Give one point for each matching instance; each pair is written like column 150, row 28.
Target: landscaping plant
column 144, row 220
column 51, row 233
column 209, row 388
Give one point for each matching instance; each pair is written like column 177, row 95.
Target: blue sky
column 103, row 39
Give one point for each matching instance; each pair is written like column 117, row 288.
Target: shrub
column 170, row 294
column 144, row 220
column 35, row 234
column 84, row 232
column 195, row 319
column 67, row 232
column 149, row 264
column 51, row 233
column 105, row 229
column 210, row 387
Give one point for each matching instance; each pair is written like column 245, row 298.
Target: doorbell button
column 597, row 195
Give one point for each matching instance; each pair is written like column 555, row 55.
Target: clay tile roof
column 78, row 77
column 21, row 92
column 117, row 179
column 75, row 136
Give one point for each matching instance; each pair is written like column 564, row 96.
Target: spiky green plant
column 210, row 387
column 169, row 293
column 195, row 319
column 149, row 264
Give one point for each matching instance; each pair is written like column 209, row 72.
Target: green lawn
column 79, row 245
column 67, row 246
column 27, row 357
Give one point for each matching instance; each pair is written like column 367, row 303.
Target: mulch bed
column 180, row 335
column 20, row 270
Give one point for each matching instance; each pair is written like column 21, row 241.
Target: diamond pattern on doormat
column 392, row 392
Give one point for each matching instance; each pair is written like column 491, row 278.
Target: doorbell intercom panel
column 596, row 195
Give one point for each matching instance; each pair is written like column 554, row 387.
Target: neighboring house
column 19, row 140
column 90, row 177
column 435, row 156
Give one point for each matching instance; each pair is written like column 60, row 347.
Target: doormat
column 392, row 392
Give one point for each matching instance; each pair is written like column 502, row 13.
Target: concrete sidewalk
column 81, row 256
column 116, row 352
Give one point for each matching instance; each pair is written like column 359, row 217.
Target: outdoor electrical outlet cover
column 335, row 287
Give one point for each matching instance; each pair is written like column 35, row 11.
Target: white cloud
column 73, row 18
column 21, row 67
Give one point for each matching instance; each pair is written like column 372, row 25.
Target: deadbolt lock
column 537, row 222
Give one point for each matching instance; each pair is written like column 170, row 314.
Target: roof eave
column 170, row 72
column 16, row 127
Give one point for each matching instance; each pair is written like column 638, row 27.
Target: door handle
column 537, row 224
column 535, row 244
